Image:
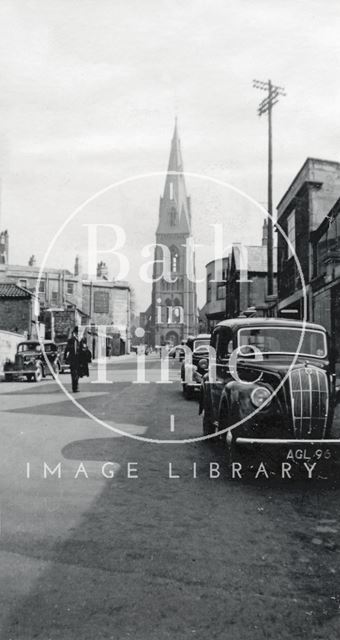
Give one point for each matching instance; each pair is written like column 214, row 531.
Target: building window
column 23, row 283
column 220, row 291
column 70, row 287
column 174, row 260
column 42, row 286
column 54, row 296
column 327, row 246
column 209, row 287
column 291, row 233
column 173, row 217
column 101, row 302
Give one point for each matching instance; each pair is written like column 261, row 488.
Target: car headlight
column 259, row 396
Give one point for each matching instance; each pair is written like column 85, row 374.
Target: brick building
column 325, row 281
column 303, row 208
column 241, row 285
column 17, row 310
column 67, row 299
column 107, row 303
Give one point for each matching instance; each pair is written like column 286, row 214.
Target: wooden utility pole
column 266, row 106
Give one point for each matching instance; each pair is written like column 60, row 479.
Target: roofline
column 306, row 162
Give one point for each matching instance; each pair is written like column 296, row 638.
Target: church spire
column 174, row 210
column 175, row 160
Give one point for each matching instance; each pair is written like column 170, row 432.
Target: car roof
column 238, row 323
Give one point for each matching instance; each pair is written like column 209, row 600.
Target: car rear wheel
column 188, row 392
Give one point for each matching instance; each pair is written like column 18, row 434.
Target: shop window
column 220, row 291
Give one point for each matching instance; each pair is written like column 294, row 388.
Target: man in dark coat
column 71, row 357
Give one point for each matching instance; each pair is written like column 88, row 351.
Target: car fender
column 236, row 397
column 203, row 393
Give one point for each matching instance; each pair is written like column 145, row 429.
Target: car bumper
column 195, row 386
column 286, row 441
column 20, row 372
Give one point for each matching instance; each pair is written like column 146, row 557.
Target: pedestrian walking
column 71, row 357
column 85, row 358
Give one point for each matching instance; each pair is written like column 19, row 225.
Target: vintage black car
column 265, row 394
column 199, row 352
column 30, row 361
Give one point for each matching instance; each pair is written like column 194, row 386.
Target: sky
column 88, row 94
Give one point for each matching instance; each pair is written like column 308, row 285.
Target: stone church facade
column 173, row 313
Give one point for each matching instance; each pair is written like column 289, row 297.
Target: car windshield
column 201, row 344
column 49, row 347
column 29, row 346
column 282, row 340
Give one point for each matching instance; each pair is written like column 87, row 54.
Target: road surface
column 141, row 555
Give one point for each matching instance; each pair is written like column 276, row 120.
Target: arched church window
column 173, row 216
column 171, row 191
column 177, row 302
column 174, row 257
column 168, row 302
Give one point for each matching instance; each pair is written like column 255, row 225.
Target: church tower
column 174, row 303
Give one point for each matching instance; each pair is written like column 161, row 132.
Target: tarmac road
column 152, row 557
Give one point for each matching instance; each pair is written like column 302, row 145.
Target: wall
column 8, row 345
column 15, row 314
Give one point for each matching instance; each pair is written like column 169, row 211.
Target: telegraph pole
column 266, row 106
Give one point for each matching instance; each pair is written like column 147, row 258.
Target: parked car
column 268, row 396
column 199, row 345
column 30, row 362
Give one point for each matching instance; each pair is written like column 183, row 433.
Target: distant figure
column 85, row 358
column 71, row 357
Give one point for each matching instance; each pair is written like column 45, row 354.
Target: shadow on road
column 158, row 558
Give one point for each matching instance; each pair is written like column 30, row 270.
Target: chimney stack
column 102, row 271
column 77, row 266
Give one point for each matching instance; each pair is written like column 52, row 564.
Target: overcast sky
column 89, row 91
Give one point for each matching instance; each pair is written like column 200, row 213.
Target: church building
column 173, row 313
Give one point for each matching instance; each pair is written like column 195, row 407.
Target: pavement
column 153, row 552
